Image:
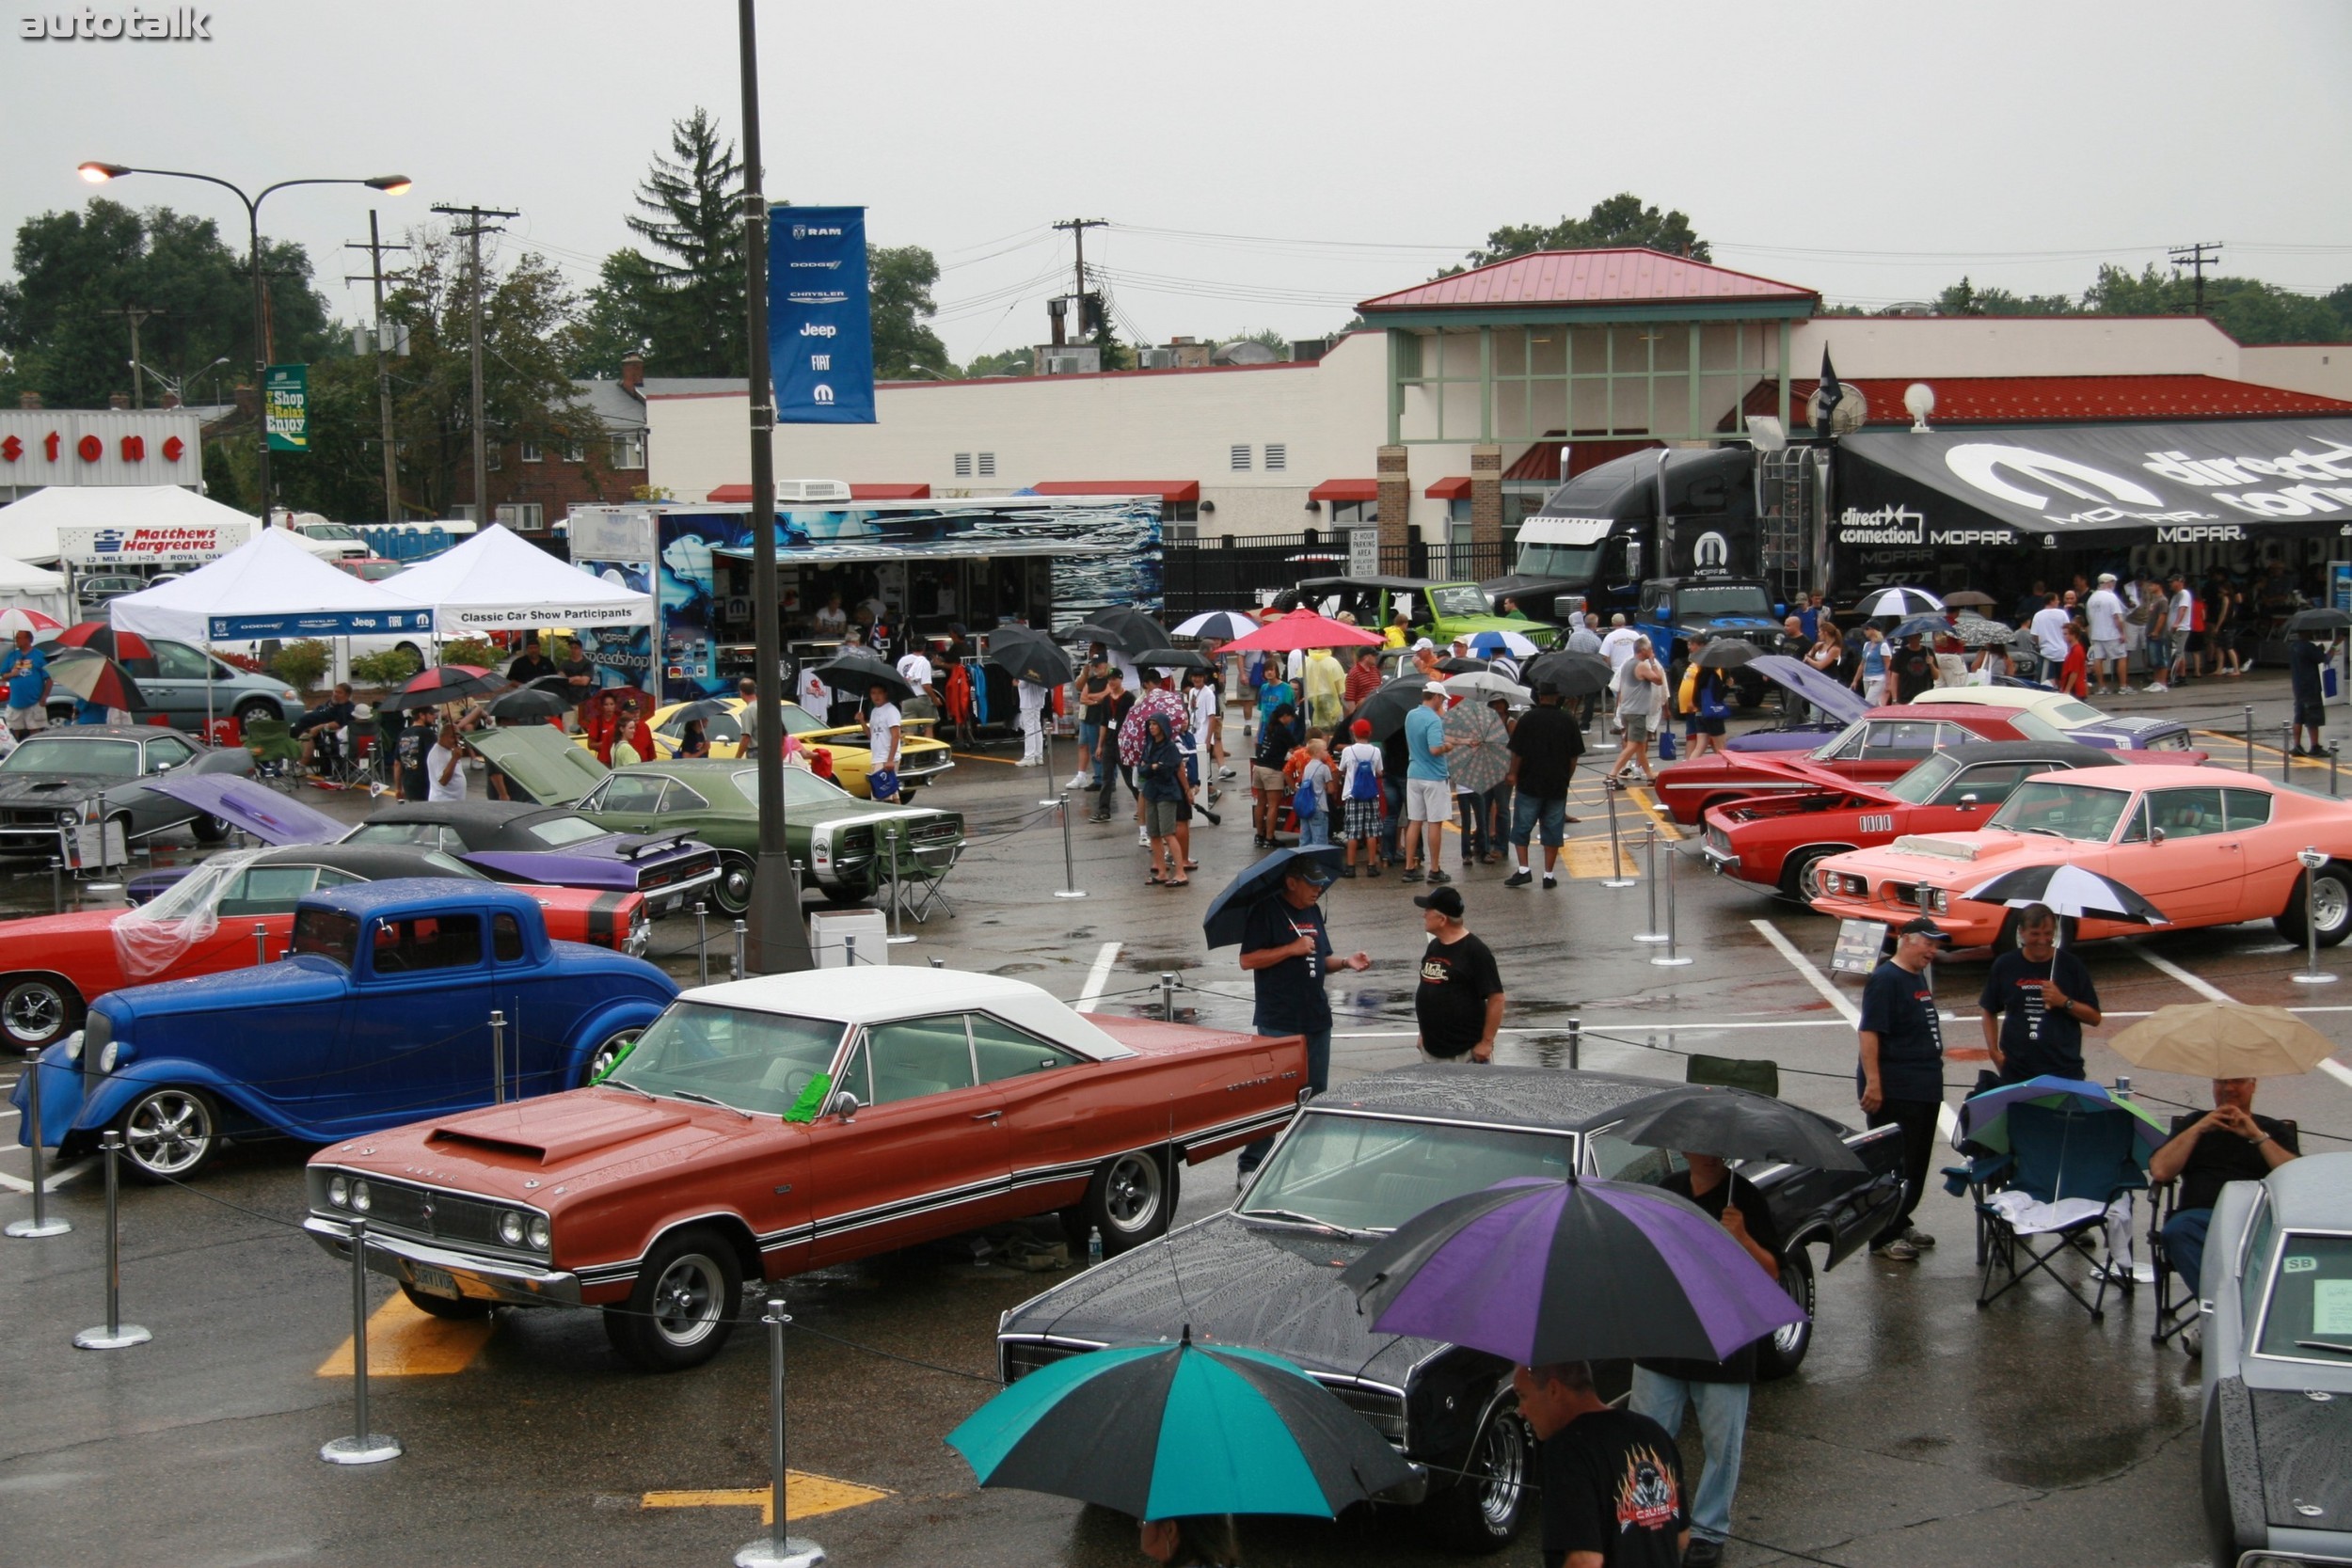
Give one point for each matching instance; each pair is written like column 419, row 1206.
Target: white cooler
column 867, row 929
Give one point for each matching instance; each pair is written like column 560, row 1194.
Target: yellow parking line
column 2238, row 742
column 975, row 757
column 807, row 1495
column 404, row 1342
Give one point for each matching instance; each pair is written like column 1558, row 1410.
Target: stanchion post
column 116, row 1335
column 2286, row 751
column 1650, row 933
column 362, row 1446
column 1069, row 888
column 1576, row 1043
column 1168, row 996
column 1617, row 876
column 2314, row 860
column 2249, row 737
column 702, row 943
column 778, row 1548
column 41, row 1223
column 57, row 885
column 498, row 1058
column 2334, row 750
column 1668, row 957
column 849, row 950
column 742, row 936
column 897, row 924
column 261, row 944
column 938, row 962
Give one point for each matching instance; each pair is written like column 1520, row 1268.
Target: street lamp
column 391, row 184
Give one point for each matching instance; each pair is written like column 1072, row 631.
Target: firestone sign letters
column 42, row 447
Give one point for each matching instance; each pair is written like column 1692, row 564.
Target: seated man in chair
column 317, row 727
column 2229, row 1143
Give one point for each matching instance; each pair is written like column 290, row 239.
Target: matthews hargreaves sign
column 820, row 332
column 356, row 622
column 182, row 546
column 2218, row 483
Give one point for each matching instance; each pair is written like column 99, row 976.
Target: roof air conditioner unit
column 811, row 490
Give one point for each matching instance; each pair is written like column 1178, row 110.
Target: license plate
column 435, row 1282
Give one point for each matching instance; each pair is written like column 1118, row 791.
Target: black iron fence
column 1238, row 571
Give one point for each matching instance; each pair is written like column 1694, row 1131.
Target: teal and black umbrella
column 1163, row 1432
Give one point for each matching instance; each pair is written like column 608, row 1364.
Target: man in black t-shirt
column 531, row 664
column 1458, row 1003
column 2229, row 1143
column 1284, row 947
column 1716, row 1391
column 408, row 752
column 2037, row 998
column 1544, row 751
column 1915, row 670
column 1899, row 1078
column 1610, row 1480
column 579, row 679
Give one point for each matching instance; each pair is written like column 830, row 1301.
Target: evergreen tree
column 687, row 297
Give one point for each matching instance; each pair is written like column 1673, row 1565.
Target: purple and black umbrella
column 1580, row 1270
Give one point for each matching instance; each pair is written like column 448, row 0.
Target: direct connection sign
column 286, row 407
column 821, row 332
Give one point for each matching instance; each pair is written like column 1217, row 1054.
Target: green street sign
column 286, row 407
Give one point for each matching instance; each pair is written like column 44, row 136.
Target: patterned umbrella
column 96, row 678
column 1976, row 631
column 1478, row 748
column 1898, row 601
column 13, row 621
column 446, row 683
column 1488, row 643
column 1157, row 700
column 100, row 637
column 1217, row 626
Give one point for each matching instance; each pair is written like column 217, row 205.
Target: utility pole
column 1078, row 227
column 375, row 247
column 2196, row 258
column 135, row 314
column 475, row 228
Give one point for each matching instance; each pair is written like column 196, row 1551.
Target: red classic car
column 2205, row 846
column 1775, row 841
column 766, row 1127
column 1883, row 744
column 53, row 966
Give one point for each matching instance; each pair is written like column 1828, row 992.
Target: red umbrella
column 100, row 638
column 95, row 678
column 1303, row 628
column 15, row 620
column 448, row 683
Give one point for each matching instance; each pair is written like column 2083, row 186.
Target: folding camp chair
column 2177, row 1297
column 917, row 872
column 2059, row 1154
column 275, row 751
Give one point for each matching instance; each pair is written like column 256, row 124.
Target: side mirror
column 845, row 1106
column 1968, row 802
column 2155, row 835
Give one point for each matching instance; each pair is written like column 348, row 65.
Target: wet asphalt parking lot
column 1920, row 1431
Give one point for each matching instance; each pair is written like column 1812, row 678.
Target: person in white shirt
column 2110, row 676
column 1033, row 699
column 1617, row 647
column 1207, row 700
column 2049, row 635
column 832, row 620
column 2184, row 613
column 916, row 670
column 444, row 767
column 883, row 729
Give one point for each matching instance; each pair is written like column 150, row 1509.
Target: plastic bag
column 151, row 938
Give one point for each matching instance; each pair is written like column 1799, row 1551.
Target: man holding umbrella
column 1284, row 946
column 2035, row 1003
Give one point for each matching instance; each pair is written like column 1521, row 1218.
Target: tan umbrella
column 2223, row 1040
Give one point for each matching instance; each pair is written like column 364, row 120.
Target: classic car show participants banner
column 821, row 335
column 286, row 407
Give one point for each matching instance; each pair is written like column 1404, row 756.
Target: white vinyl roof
column 28, row 529
column 269, row 575
column 494, row 581
column 877, row 995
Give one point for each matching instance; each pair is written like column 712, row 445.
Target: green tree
column 2249, row 310
column 1964, row 299
column 1010, row 361
column 75, row 270
column 1621, row 220
column 687, row 295
column 899, row 278
column 618, row 317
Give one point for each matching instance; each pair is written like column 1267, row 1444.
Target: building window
column 964, row 464
column 530, row 452
column 575, row 451
column 529, row 516
column 1458, row 512
column 628, row 449
column 1180, row 522
column 1277, row 457
column 497, row 457
column 988, row 465
column 1241, row 458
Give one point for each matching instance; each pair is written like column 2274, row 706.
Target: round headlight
column 68, row 819
column 74, row 1046
column 108, row 1057
column 361, row 1199
column 510, row 1229
column 339, row 1192
column 540, row 1232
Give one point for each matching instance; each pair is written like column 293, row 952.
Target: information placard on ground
column 1859, row 945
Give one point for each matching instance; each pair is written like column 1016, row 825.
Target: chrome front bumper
column 477, row 1278
column 1719, row 861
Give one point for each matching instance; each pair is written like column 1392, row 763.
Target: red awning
column 1345, row 490
column 1166, row 489
column 739, row 493
column 1452, row 489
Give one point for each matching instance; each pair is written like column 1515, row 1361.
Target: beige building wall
column 2323, row 370
column 1924, row 347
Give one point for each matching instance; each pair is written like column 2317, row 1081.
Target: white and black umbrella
column 2068, row 891
column 1898, row 601
column 1217, row 626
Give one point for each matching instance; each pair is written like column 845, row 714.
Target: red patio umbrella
column 1303, row 628
column 95, row 678
column 16, row 619
column 100, row 638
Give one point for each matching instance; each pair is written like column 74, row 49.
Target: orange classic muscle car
column 765, row 1126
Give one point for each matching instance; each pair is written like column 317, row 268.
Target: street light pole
column 391, row 184
column 779, row 939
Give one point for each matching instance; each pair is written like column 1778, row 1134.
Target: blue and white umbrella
column 1900, row 601
column 1488, row 643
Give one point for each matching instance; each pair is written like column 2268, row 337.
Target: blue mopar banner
column 820, row 332
column 350, row 622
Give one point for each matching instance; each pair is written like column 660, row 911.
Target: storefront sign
column 151, row 546
column 820, row 333
column 108, row 446
column 286, row 407
column 365, row 622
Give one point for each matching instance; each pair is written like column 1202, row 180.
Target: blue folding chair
column 2076, row 1151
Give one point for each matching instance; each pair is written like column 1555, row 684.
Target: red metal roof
column 1166, row 489
column 2044, row 399
column 1542, row 460
column 1449, row 489
column 1571, row 277
column 1346, row 490
column 739, row 493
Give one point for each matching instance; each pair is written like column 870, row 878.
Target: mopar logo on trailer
column 1711, row 553
column 2199, row 533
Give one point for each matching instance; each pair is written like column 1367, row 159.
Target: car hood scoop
column 553, row 1130
column 22, row 787
column 1935, row 844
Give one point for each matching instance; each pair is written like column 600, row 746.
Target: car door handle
column 986, row 1116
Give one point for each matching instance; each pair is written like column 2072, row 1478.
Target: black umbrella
column 1026, row 654
column 1461, row 666
column 1969, row 598
column 857, row 670
column 1122, row 626
column 1386, row 708
column 1727, row 653
column 2323, row 619
column 1571, row 674
column 1172, row 659
column 1229, row 912
column 704, row 710
column 1735, row 1124
column 2068, row 890
column 561, row 686
column 528, row 702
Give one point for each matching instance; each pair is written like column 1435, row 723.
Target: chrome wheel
column 732, row 891
column 1500, row 1464
column 2332, row 905
column 600, row 1060
column 34, row 1010
column 169, row 1132
column 1808, row 877
column 689, row 1300
column 1131, row 1195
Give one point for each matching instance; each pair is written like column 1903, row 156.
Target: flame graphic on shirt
column 1647, row 1498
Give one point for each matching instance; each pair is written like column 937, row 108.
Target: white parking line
column 1100, row 976
column 49, row 1183
column 1813, row 976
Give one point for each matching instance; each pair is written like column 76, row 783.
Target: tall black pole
column 779, row 942
column 261, row 346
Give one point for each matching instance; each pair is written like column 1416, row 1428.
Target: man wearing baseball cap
column 1284, row 946
column 1458, row 1003
column 1899, row 1078
column 1428, row 796
column 2109, row 674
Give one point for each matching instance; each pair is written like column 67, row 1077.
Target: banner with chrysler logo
column 821, row 332
column 2060, row 486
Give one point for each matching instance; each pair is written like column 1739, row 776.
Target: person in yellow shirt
column 1325, row 684
column 1396, row 632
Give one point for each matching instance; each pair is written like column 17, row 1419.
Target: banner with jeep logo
column 821, row 335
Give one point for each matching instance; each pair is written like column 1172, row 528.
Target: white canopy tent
column 267, row 587
column 28, row 529
column 494, row 581
column 31, row 588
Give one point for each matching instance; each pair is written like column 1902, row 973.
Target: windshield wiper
column 706, row 1099
column 1297, row 1218
column 2051, row 832
column 2323, row 1344
column 621, row 1084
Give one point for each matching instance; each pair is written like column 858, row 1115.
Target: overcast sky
column 1264, row 164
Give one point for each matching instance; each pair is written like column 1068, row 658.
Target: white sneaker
column 1143, row 836
column 1077, row 781
column 2158, row 686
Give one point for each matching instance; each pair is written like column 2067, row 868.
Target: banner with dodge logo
column 820, row 332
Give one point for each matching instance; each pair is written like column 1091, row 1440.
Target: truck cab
column 1671, row 611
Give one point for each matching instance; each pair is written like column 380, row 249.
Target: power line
column 2194, row 256
column 375, row 247
column 477, row 226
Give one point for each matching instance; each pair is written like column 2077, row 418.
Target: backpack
column 1363, row 785
column 1308, row 800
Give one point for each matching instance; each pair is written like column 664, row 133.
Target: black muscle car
column 1357, row 1163
column 78, row 778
